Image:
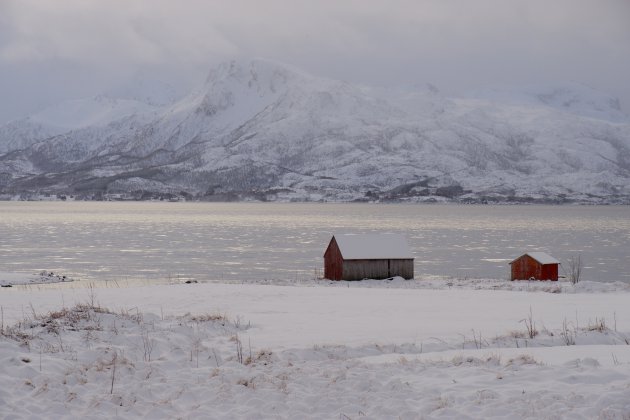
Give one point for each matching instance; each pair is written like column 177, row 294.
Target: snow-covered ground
column 353, row 350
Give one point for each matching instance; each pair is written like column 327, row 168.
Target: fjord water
column 262, row 241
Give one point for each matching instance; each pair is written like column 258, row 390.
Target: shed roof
column 373, row 246
column 541, row 257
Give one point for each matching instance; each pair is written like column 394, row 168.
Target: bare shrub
column 215, row 317
column 239, row 349
column 530, row 326
column 137, row 317
column 19, row 334
column 523, row 359
column 82, row 316
column 114, row 360
column 568, row 336
column 575, row 269
column 263, row 356
column 249, row 383
column 237, row 322
column 615, row 360
column 91, row 295
column 147, row 345
column 195, row 349
column 442, row 402
column 599, row 325
column 517, row 334
column 477, row 340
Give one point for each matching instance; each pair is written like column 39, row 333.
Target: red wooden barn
column 535, row 266
column 369, row 256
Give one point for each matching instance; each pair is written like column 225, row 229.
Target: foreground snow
column 382, row 351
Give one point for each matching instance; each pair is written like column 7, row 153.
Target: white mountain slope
column 264, row 130
column 573, row 98
column 68, row 116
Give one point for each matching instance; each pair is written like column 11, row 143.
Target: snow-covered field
column 417, row 349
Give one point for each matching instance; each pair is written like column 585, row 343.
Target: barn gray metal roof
column 373, row 246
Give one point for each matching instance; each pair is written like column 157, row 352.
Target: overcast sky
column 57, row 49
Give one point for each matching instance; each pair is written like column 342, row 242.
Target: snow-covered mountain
column 569, row 97
column 264, row 130
column 68, row 116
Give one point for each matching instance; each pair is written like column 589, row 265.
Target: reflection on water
column 254, row 241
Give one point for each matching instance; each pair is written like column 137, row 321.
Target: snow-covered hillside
column 69, row 116
column 572, row 98
column 264, row 130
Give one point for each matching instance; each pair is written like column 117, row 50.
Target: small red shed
column 535, row 266
column 368, row 256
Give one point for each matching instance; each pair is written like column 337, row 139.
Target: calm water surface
column 256, row 241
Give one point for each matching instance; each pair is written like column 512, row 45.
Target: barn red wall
column 549, row 272
column 526, row 267
column 333, row 262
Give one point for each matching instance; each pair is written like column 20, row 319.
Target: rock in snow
column 267, row 131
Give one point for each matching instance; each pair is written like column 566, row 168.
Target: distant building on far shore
column 535, row 266
column 368, row 256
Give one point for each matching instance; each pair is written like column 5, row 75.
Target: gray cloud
column 54, row 50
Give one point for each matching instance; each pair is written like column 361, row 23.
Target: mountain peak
column 259, row 73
